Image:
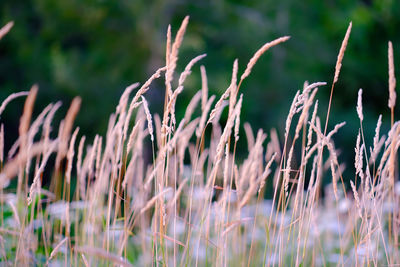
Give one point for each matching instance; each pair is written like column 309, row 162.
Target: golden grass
column 194, row 203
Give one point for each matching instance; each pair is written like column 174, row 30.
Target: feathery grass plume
column 168, row 45
column 356, row 198
column 391, row 134
column 2, row 143
column 341, row 53
column 48, row 120
column 5, row 29
column 124, row 98
column 143, row 89
column 313, row 117
column 335, row 130
column 36, row 183
column 99, row 155
column 188, row 69
column 10, row 170
column 376, row 150
column 171, row 111
column 70, row 155
column 308, row 88
column 273, row 146
column 157, row 128
column 232, row 99
column 13, row 149
column 288, row 169
column 26, row 116
column 392, row 78
column 393, row 154
column 88, row 162
column 218, row 105
column 237, row 125
column 146, row 86
column 171, row 103
column 66, row 131
column 266, row 172
column 80, row 179
column 173, row 55
column 383, row 164
column 149, row 119
column 334, row 180
column 227, row 131
column 359, row 106
column 259, row 53
column 123, row 116
column 358, row 160
column 249, row 135
column 304, row 113
column 92, row 157
column 225, row 170
column 10, row 98
column 32, row 133
column 253, row 171
column 229, row 91
column 192, row 106
column 203, row 117
column 378, row 142
column 324, row 140
column 183, row 141
column 233, row 86
column 132, row 135
column 377, row 130
column 292, row 112
column 333, row 160
column 360, row 163
column 204, row 87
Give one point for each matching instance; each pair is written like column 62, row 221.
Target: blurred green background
column 95, row 48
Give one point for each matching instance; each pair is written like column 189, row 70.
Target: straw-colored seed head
column 357, row 199
column 26, row 116
column 341, row 53
column 392, row 79
column 6, row 28
column 168, row 48
column 70, row 155
column 334, row 180
column 149, row 118
column 359, row 105
column 204, row 87
column 70, row 117
column 66, row 131
column 9, row 98
column 259, row 53
column 172, row 57
column 2, row 143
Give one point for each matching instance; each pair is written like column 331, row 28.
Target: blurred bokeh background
column 95, row 48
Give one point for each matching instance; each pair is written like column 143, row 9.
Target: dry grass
column 192, row 203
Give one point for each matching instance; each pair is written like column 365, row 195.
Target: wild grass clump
column 192, row 203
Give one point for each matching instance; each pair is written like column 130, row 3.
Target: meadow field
column 169, row 190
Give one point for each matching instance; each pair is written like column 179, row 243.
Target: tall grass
column 191, row 203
